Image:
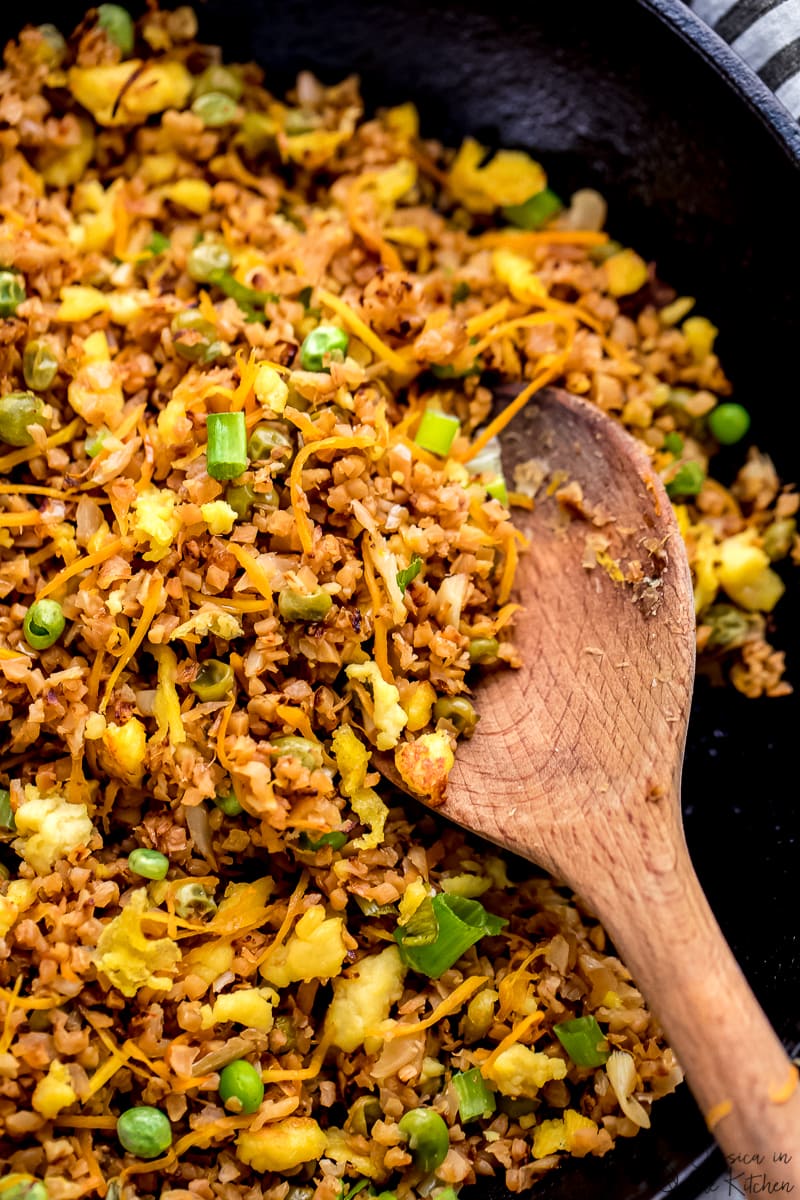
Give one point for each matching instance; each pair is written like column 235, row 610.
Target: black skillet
column 700, row 167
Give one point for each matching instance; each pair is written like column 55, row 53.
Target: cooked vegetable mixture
column 254, row 527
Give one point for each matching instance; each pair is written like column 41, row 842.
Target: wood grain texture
column 577, row 760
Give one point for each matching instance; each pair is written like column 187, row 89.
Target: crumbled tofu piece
column 361, row 1002
column 54, row 1092
column 283, row 1146
column 251, row 1007
column 316, row 950
column 49, row 829
column 520, row 1071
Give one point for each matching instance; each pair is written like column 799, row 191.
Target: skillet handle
column 740, row 1074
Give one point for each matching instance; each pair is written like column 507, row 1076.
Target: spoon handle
column 667, row 935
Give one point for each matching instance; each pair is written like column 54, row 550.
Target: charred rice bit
column 226, row 636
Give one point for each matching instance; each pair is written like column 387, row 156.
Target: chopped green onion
column 18, row 411
column 447, row 1193
column 336, row 839
column 207, row 257
column 227, row 445
column 498, row 491
column 6, row 811
column 428, row 1137
column 348, row 1190
column 437, row 431
column 409, row 573
column 461, row 292
column 673, row 442
column 250, row 300
column 535, row 211
column 12, row 292
column 95, row 441
column 688, row 480
column 116, row 23
column 461, row 923
column 159, row 242
column 474, row 1098
column 583, row 1040
column 422, row 927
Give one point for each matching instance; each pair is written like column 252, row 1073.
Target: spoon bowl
column 576, row 763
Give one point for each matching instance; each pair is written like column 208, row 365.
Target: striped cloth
column 766, row 33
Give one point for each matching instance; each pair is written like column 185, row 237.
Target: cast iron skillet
column 700, row 166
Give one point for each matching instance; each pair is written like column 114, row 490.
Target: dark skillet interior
column 610, row 97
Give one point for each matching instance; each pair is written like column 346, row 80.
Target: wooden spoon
column 576, row 762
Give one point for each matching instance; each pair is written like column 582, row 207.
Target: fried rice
column 225, row 641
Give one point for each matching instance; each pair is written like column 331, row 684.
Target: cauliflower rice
column 239, row 634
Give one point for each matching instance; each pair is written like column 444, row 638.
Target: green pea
column 517, row 1106
column 243, row 498
column 117, row 24
column 207, row 257
column 6, row 811
column 428, row 1138
column 214, row 109
column 150, row 864
column 195, row 338
column 257, row 133
column 271, row 441
column 298, row 120
column 39, row 365
column 24, row 1189
column 44, row 623
column 192, row 901
column 217, row 78
column 214, row 680
column 730, row 626
column 286, row 1027
column 363, row 1115
column 688, row 480
column 53, row 48
column 228, row 804
column 144, row 1131
column 482, row 648
column 12, row 292
column 18, row 411
column 309, row 753
column 459, row 712
column 728, row 423
column 320, row 344
column 240, row 1087
column 779, row 538
column 294, row 606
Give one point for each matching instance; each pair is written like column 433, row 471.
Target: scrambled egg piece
column 418, row 703
column 126, row 93
column 316, row 950
column 282, row 1146
column 518, row 275
column 700, row 335
column 19, row 896
column 389, row 717
column 209, row 961
column 744, row 572
column 174, row 427
column 251, row 1007
column 362, row 1002
column 415, row 894
column 270, row 389
column 218, row 516
column 131, row 960
column 194, row 194
column 155, row 521
column 392, row 183
column 338, row 1147
column 520, row 1071
column 352, row 760
column 210, row 620
column 95, row 393
column 425, row 763
column 126, row 745
column 626, row 272
column 54, row 1092
column 508, row 178
column 49, row 829
column 243, row 906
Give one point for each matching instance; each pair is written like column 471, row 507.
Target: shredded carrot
column 222, row 732
column 122, row 223
column 718, row 1112
column 566, row 321
column 279, row 1075
column 17, row 520
column 780, row 1093
column 149, row 608
column 510, row 411
column 291, row 912
column 418, row 453
column 487, row 318
column 255, row 572
column 519, row 1031
column 78, row 1122
column 96, row 1181
column 11, row 1000
column 34, row 1003
column 509, row 569
column 297, row 719
column 297, row 495
column 29, row 489
column 369, row 236
column 12, row 654
column 247, row 378
column 542, row 237
column 362, row 331
column 28, row 452
column 128, row 423
column 156, row 1068
column 452, row 1003
column 381, row 649
column 520, row 500
column 274, row 1110
column 81, row 564
column 231, row 603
